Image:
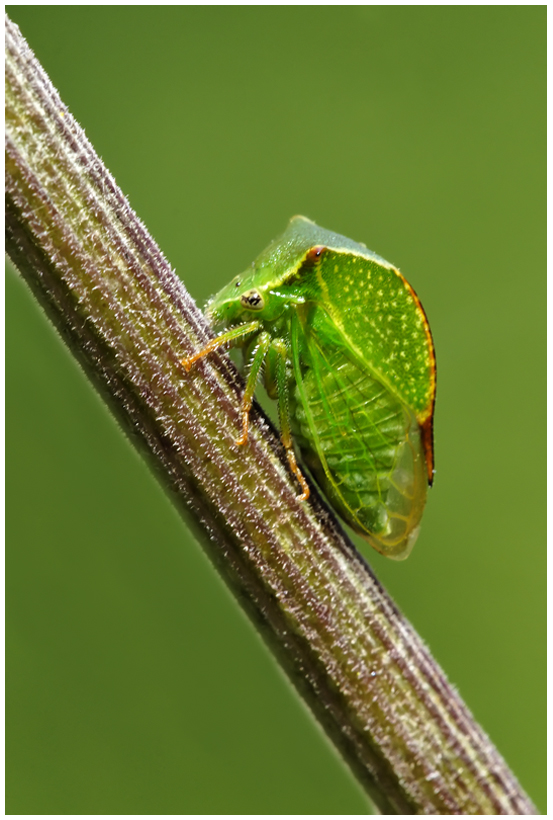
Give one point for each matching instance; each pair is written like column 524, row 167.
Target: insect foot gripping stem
column 188, row 361
column 298, row 473
column 245, row 413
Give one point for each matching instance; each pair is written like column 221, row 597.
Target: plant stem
column 106, row 286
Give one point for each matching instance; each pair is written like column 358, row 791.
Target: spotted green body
column 347, row 351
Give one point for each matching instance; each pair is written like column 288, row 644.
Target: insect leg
column 219, row 341
column 263, row 344
column 279, row 346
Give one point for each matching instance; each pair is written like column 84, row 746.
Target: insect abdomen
column 363, row 445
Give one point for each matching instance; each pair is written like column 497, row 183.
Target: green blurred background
column 135, row 684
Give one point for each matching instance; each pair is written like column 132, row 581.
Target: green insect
column 345, row 348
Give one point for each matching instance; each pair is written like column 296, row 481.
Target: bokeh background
column 135, row 684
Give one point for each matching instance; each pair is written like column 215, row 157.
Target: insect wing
column 379, row 315
column 362, row 443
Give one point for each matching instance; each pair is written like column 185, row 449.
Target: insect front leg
column 260, row 352
column 228, row 337
column 277, row 375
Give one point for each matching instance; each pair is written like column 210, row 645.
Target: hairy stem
column 106, row 286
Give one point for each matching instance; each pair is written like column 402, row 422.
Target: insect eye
column 237, row 283
column 253, row 300
column 314, row 254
